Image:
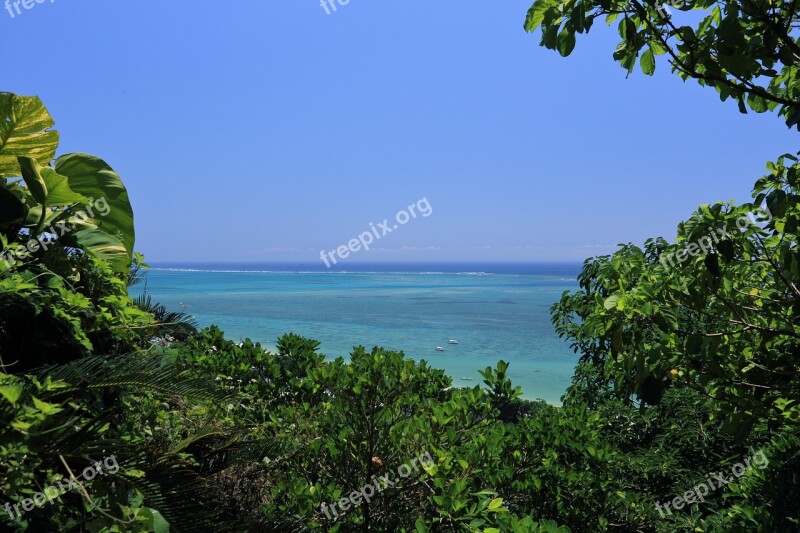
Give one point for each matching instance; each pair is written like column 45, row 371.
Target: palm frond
column 168, row 323
column 136, row 274
column 178, row 489
column 136, row 372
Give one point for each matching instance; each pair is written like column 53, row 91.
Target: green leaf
column 159, row 524
column 111, row 209
column 628, row 61
column 24, row 125
column 103, row 245
column 657, row 47
column 46, row 408
column 648, row 62
column 535, row 15
column 59, row 192
column 757, row 103
column 566, row 42
column 47, row 186
column 32, row 178
column 496, row 504
column 11, row 392
column 550, row 36
column 611, row 302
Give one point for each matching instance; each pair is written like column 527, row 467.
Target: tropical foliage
column 688, row 358
column 747, row 50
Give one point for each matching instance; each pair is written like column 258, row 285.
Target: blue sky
column 269, row 131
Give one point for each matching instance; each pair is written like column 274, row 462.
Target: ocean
column 494, row 311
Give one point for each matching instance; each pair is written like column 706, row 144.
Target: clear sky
column 269, row 130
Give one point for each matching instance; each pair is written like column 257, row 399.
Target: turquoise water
column 494, row 311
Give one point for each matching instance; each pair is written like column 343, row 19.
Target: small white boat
column 452, row 341
column 439, row 349
column 466, row 379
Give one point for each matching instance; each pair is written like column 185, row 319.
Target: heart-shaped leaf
column 110, row 207
column 24, row 132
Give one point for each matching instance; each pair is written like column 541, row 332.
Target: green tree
column 717, row 310
column 745, row 49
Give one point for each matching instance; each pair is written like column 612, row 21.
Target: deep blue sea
column 494, row 311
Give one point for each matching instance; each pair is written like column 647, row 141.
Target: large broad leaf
column 24, row 125
column 50, row 217
column 105, row 246
column 110, row 210
column 48, row 187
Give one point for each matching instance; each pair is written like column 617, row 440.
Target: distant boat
column 466, row 379
column 439, row 349
column 452, row 341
